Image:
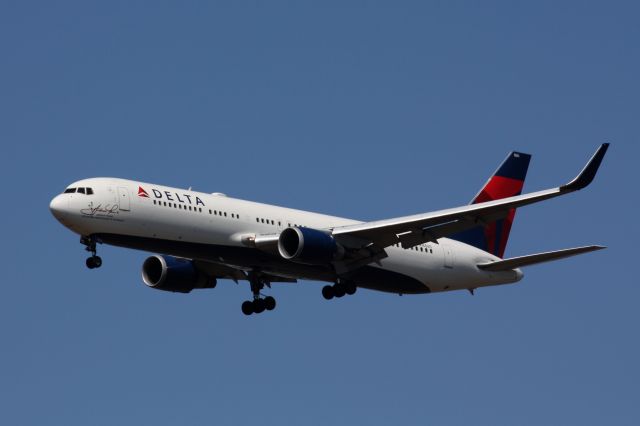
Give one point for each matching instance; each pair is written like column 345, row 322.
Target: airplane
column 202, row 238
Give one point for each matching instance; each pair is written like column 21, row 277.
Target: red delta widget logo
column 171, row 196
column 142, row 192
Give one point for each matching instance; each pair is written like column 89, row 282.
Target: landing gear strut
column 339, row 289
column 94, row 261
column 258, row 304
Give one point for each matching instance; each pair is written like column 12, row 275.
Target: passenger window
column 165, row 204
column 81, row 190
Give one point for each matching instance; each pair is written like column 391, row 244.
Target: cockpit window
column 87, row 191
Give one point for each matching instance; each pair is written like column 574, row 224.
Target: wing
column 370, row 238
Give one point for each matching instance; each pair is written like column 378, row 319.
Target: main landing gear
column 258, row 304
column 94, row 261
column 339, row 289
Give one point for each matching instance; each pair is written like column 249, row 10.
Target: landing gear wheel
column 327, row 292
column 339, row 290
column 93, row 262
column 269, row 303
column 258, row 306
column 247, row 307
column 90, row 264
column 350, row 289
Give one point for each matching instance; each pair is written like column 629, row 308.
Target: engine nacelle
column 173, row 274
column 308, row 245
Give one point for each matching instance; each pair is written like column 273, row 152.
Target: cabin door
column 124, row 201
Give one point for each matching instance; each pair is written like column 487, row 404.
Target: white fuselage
column 214, row 228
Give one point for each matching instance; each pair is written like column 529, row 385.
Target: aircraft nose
column 58, row 206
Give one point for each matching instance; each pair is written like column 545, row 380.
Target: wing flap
column 532, row 259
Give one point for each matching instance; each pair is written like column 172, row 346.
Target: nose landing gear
column 258, row 304
column 93, row 261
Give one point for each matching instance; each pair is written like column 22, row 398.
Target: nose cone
column 58, row 206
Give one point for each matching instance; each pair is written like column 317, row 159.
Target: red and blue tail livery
column 506, row 182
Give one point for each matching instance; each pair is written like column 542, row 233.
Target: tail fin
column 506, row 182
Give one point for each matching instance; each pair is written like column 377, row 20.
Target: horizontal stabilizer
column 532, row 259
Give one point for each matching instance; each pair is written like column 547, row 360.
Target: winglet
column 588, row 173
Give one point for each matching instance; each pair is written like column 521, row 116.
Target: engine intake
column 308, row 245
column 170, row 273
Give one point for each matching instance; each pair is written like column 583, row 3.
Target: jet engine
column 309, row 246
column 174, row 274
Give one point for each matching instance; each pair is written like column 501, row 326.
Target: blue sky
column 365, row 110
